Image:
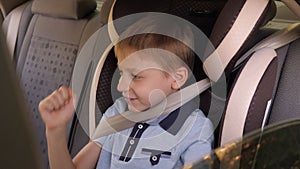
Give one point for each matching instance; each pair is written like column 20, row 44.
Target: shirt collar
column 173, row 122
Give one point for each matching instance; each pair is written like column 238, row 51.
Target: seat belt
column 128, row 119
column 13, row 27
column 236, row 111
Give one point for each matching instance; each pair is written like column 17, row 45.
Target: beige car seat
column 50, row 36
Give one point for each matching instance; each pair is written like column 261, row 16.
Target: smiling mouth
column 128, row 100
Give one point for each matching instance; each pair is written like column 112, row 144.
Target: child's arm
column 56, row 110
column 196, row 151
column 88, row 156
column 202, row 145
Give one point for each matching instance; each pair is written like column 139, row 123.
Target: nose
column 124, row 83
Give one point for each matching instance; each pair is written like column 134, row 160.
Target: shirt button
column 154, row 158
column 131, row 142
column 140, row 126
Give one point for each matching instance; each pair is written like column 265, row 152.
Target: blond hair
column 158, row 41
column 159, row 34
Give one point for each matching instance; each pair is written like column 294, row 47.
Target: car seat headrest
column 229, row 14
column 225, row 31
column 203, row 14
column 71, row 9
column 237, row 23
column 7, row 6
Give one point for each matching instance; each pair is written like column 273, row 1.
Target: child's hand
column 57, row 108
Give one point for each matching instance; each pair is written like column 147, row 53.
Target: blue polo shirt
column 171, row 141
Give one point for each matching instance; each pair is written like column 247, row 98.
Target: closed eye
column 136, row 76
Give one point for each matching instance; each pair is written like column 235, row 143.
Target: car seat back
column 15, row 125
column 52, row 41
column 15, row 23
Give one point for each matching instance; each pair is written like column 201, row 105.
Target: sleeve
column 118, row 107
column 196, row 151
column 202, row 145
column 105, row 157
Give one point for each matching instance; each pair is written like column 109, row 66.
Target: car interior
column 254, row 61
column 14, row 119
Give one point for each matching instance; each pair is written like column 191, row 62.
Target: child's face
column 143, row 82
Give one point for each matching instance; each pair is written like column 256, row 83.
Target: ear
column 180, row 77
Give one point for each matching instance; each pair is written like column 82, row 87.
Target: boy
column 152, row 66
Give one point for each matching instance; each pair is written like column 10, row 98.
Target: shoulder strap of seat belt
column 128, row 119
column 13, row 27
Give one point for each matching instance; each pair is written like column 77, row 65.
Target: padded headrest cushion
column 201, row 13
column 7, row 6
column 73, row 9
column 228, row 17
column 229, row 14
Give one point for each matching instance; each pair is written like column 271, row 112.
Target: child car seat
column 203, row 13
column 261, row 112
column 109, row 65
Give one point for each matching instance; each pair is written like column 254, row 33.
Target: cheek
column 166, row 85
column 152, row 91
column 156, row 96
